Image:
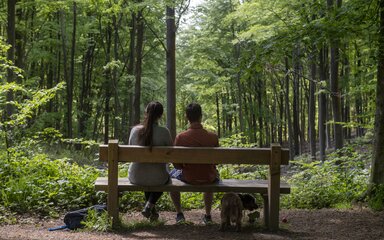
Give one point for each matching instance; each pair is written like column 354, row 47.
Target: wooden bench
column 270, row 189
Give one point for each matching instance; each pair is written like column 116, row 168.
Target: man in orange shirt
column 195, row 136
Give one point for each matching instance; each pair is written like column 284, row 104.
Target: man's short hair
column 193, row 112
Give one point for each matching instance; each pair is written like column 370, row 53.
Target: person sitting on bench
column 149, row 133
column 195, row 136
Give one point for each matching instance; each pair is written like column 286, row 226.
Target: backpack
column 73, row 219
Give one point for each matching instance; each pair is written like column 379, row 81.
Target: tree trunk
column 259, row 92
column 11, row 38
column 84, row 109
column 107, row 85
column 171, row 70
column 334, row 86
column 117, row 111
column 72, row 73
column 358, row 97
column 322, row 106
column 139, row 61
column 295, row 106
column 312, row 106
column 218, row 115
column 127, row 119
column 68, row 115
column 377, row 174
column 288, row 112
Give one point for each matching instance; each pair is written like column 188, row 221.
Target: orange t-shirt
column 197, row 136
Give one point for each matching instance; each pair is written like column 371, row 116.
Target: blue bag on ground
column 73, row 219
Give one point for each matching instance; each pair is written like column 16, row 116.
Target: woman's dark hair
column 153, row 112
column 193, row 112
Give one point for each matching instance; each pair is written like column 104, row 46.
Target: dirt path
column 301, row 224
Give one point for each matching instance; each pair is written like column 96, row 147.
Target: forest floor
column 301, row 224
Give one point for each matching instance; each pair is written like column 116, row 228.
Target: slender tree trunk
column 288, row 112
column 322, row 106
column 295, row 106
column 11, row 38
column 312, row 106
column 20, row 41
column 334, row 86
column 72, row 73
column 117, row 112
column 107, row 85
column 377, row 175
column 127, row 119
column 84, row 109
column 171, row 70
column 218, row 114
column 68, row 118
column 358, row 97
column 346, row 102
column 138, row 67
column 259, row 91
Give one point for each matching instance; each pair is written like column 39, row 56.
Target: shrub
column 340, row 179
column 39, row 184
column 376, row 198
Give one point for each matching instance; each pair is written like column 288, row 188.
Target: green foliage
column 95, row 221
column 236, row 140
column 36, row 183
column 341, row 179
column 376, row 197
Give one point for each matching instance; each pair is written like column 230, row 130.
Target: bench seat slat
column 225, row 185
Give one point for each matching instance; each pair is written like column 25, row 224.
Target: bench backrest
column 217, row 155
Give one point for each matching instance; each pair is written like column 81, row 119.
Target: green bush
column 98, row 221
column 340, row 179
column 376, row 198
column 39, row 184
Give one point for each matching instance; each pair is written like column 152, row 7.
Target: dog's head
column 248, row 201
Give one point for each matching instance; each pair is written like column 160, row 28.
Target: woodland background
column 306, row 74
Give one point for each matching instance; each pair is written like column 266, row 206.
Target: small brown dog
column 232, row 206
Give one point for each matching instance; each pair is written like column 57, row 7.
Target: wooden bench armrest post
column 113, row 198
column 274, row 188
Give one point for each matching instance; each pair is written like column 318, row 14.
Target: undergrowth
column 336, row 182
column 42, row 175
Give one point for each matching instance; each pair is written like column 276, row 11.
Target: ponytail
column 153, row 112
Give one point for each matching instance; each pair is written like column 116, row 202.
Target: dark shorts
column 178, row 174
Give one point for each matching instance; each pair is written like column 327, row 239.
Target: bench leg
column 266, row 210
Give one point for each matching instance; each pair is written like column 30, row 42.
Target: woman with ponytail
column 149, row 133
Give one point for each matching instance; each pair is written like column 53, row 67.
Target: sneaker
column 180, row 218
column 154, row 215
column 146, row 212
column 207, row 219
